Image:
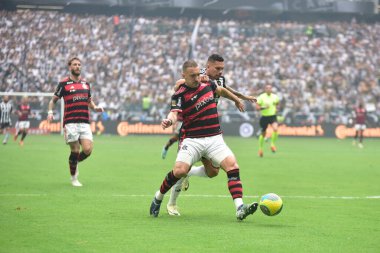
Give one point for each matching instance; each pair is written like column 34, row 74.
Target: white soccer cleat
column 75, row 182
column 185, row 184
column 172, row 210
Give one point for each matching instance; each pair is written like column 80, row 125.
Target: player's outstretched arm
column 52, row 103
column 227, row 94
column 251, row 99
column 170, row 120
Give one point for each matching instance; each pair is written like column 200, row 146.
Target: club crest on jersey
column 84, row 86
column 192, row 99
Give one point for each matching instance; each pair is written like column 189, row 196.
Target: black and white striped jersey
column 221, row 81
column 5, row 112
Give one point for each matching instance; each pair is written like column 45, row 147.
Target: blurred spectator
column 320, row 77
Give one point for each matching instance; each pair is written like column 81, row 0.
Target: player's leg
column 17, row 132
column 189, row 152
column 73, row 162
column 71, row 133
column 361, row 132
column 6, row 132
column 220, row 153
column 85, row 140
column 171, row 141
column 207, row 169
column 24, row 131
column 274, row 136
column 264, row 126
column 180, row 170
column 172, row 207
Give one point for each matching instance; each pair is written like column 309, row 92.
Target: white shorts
column 177, row 127
column 22, row 125
column 213, row 148
column 360, row 127
column 76, row 131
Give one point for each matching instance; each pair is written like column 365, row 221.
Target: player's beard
column 75, row 72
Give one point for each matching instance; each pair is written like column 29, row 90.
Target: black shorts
column 5, row 125
column 266, row 120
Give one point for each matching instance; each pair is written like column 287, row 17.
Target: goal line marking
column 190, row 196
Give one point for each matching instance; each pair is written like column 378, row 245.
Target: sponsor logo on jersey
column 80, row 98
column 203, row 102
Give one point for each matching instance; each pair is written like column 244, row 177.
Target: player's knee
column 213, row 172
column 180, row 170
column 229, row 164
column 87, row 151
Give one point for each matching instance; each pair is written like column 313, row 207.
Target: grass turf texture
column 41, row 212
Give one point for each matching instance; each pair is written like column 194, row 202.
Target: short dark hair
column 73, row 59
column 189, row 64
column 215, row 57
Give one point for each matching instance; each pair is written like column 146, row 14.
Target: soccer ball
column 271, row 204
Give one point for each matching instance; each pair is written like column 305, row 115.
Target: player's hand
column 204, row 78
column 251, row 99
column 50, row 117
column 240, row 106
column 165, row 123
column 99, row 109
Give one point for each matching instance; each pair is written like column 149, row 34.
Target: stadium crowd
column 319, row 70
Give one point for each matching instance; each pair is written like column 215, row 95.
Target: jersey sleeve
column 59, row 90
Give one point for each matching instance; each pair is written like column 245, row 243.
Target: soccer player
column 76, row 93
column 201, row 137
column 23, row 123
column 267, row 103
column 360, row 120
column 213, row 71
column 5, row 118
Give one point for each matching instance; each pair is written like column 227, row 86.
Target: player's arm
column 251, row 99
column 204, row 78
column 223, row 92
column 51, row 106
column 178, row 83
column 170, row 120
column 94, row 107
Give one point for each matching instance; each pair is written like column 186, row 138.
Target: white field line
column 190, row 196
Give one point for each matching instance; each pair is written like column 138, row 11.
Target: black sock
column 23, row 135
column 82, row 156
column 73, row 162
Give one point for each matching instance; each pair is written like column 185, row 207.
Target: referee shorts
column 266, row 120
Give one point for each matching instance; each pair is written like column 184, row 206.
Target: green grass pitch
column 330, row 191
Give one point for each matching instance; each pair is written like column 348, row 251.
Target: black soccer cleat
column 155, row 207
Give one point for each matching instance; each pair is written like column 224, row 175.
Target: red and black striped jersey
column 24, row 111
column 360, row 115
column 76, row 95
column 199, row 110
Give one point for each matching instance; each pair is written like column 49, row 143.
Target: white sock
column 238, row 202
column 198, row 171
column 159, row 195
column 175, row 191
